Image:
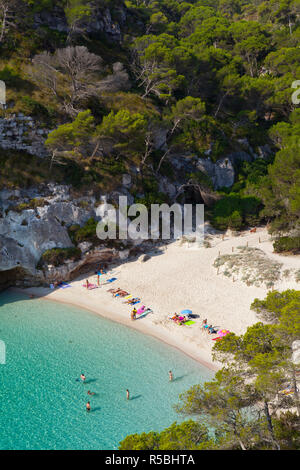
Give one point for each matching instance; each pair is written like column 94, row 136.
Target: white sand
column 178, row 278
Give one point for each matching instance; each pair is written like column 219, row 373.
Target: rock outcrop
column 19, row 132
column 100, row 21
column 26, row 233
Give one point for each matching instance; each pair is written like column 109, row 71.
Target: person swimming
column 90, row 393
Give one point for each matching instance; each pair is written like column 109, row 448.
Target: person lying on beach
column 175, row 317
column 211, row 330
column 115, row 291
column 132, row 301
column 120, row 293
column 179, row 320
column 123, row 293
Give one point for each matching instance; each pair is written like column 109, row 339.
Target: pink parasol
column 223, row 332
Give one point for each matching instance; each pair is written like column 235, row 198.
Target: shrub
column 235, row 211
column 86, row 233
column 58, row 256
column 34, row 108
column 287, row 245
column 32, row 204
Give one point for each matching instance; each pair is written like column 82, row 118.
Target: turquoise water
column 48, row 345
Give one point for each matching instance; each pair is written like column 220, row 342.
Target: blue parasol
column 186, row 312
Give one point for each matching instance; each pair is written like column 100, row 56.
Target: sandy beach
column 178, row 277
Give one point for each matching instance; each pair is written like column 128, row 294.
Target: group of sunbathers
column 179, row 319
column 130, row 301
column 209, row 328
column 118, row 292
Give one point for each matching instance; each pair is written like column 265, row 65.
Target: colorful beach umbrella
column 186, row 312
column 223, row 332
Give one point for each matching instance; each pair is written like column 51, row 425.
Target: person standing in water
column 127, row 394
column 170, row 375
column 88, row 406
column 82, row 376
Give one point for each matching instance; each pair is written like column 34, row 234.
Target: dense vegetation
column 253, row 402
column 287, row 245
column 215, row 75
column 57, row 256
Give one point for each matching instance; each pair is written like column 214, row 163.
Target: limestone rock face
column 26, row 234
column 221, row 172
column 22, row 133
column 296, row 352
column 100, row 22
column 72, row 269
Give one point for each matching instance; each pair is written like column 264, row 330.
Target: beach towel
column 128, row 297
column 141, row 310
column 90, row 286
column 64, row 285
column 138, row 301
column 112, row 279
column 144, row 313
column 190, row 322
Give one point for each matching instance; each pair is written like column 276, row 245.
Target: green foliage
column 287, row 245
column 85, row 233
column 73, row 138
column 57, row 256
column 210, row 72
column 186, row 435
column 32, row 204
column 235, row 211
column 36, row 109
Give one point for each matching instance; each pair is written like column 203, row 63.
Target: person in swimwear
column 88, row 406
column 90, row 393
column 82, row 376
column 133, row 314
column 127, row 394
column 170, row 375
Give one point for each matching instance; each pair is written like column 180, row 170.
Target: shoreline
column 178, row 278
column 153, row 332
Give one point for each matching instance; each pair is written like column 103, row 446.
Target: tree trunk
column 296, row 393
column 220, row 104
column 3, row 24
column 270, row 425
